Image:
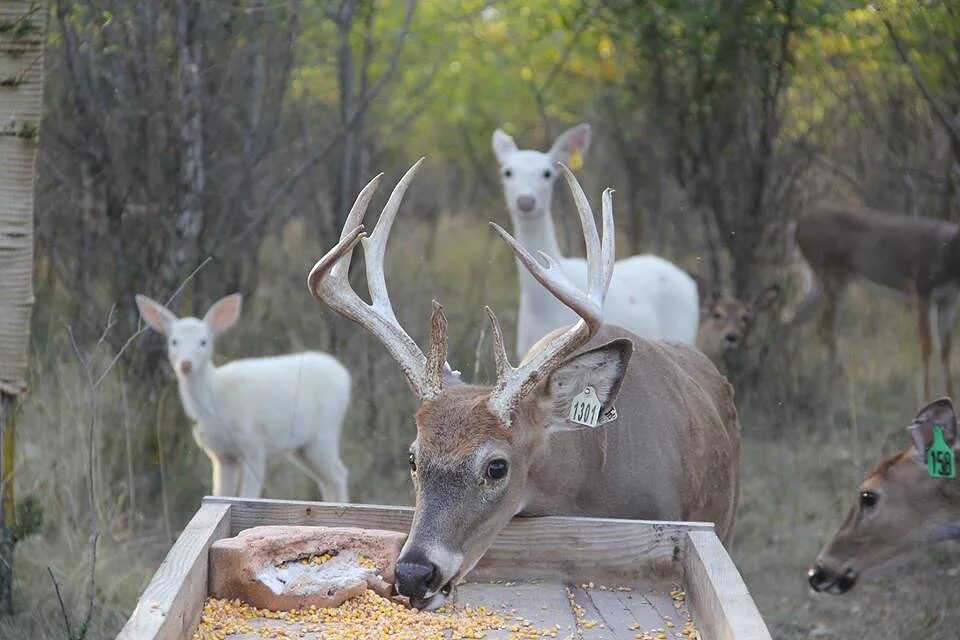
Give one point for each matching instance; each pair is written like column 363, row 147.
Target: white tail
column 648, row 295
column 250, row 409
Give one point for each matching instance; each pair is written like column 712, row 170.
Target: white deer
column 648, row 295
column 250, row 409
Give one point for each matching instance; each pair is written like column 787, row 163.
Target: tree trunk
column 21, row 96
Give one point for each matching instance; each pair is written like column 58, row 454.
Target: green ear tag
column 941, row 461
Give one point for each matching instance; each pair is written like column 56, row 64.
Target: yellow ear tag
column 576, row 160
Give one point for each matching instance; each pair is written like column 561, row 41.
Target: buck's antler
column 328, row 282
column 513, row 383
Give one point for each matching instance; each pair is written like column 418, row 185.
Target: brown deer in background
column 484, row 454
column 916, row 256
column 728, row 319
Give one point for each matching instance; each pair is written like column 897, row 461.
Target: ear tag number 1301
column 586, row 407
column 941, row 461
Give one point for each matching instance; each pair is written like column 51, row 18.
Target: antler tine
column 375, row 246
column 329, row 283
column 554, row 280
column 513, row 383
column 437, row 351
column 608, row 249
column 590, row 236
column 499, row 349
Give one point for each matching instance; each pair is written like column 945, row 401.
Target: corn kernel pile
column 366, row 616
column 372, row 616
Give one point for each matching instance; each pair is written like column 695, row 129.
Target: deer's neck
column 197, row 394
column 540, row 312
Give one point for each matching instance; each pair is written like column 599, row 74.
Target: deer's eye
column 507, row 173
column 173, row 342
column 868, row 499
column 203, row 343
column 413, row 463
column 716, row 316
column 497, row 469
column 547, row 174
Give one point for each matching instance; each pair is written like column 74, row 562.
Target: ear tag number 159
column 586, row 407
column 941, row 461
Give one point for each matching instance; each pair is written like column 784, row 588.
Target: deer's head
column 190, row 340
column 899, row 508
column 528, row 176
column 474, row 444
column 728, row 319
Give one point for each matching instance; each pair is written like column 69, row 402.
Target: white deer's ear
column 157, row 316
column 602, row 368
column 937, row 413
column 224, row 313
column 574, row 139
column 503, row 145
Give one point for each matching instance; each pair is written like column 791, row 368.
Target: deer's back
column 673, row 453
column 890, row 249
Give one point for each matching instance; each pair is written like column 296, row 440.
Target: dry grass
column 802, row 461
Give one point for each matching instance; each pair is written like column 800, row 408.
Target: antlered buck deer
column 648, row 295
column 903, row 505
column 484, row 454
column 916, row 256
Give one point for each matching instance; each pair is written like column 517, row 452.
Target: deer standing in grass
column 484, row 454
column 247, row 410
column 916, row 256
column 728, row 320
column 648, row 295
column 900, row 508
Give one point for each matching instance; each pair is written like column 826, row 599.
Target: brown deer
column 729, row 319
column 916, row 256
column 484, row 454
column 899, row 508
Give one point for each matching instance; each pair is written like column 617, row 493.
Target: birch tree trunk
column 22, row 30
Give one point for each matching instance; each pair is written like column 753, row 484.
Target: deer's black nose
column 817, row 577
column 415, row 579
column 732, row 338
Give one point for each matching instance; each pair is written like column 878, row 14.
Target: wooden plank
column 613, row 614
column 549, row 547
column 721, row 605
column 541, row 605
column 170, row 606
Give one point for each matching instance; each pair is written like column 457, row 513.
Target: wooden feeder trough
column 593, row 578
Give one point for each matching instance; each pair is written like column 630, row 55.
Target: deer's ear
column 503, row 145
column 224, row 313
column 602, row 368
column 766, row 297
column 157, row 316
column 937, row 413
column 573, row 139
column 706, row 293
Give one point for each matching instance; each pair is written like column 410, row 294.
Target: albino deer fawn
column 916, row 256
column 901, row 507
column 484, row 454
column 250, row 409
column 728, row 320
column 648, row 295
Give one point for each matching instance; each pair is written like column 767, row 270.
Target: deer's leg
column 254, row 468
column 947, row 307
column 226, row 475
column 923, row 326
column 321, row 462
